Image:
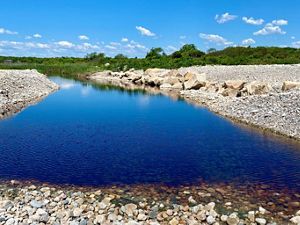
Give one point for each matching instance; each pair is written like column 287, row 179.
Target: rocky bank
column 265, row 96
column 149, row 205
column 21, row 88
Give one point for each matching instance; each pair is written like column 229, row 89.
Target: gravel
column 278, row 112
column 266, row 106
column 21, row 88
column 144, row 205
column 272, row 74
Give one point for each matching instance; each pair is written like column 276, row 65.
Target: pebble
column 261, row 221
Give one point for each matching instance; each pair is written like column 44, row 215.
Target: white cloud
column 65, row 44
column 214, row 38
column 124, row 40
column 293, row 37
column 5, row 31
column 248, row 41
column 226, row 17
column 145, row 32
column 83, row 37
column 296, row 44
column 280, row 22
column 270, row 28
column 23, row 45
column 115, row 44
column 182, row 37
column 110, row 47
column 253, row 21
column 37, row 36
column 42, row 45
column 85, row 47
column 170, row 49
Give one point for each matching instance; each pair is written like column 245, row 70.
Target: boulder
column 178, row 85
column 234, row 84
column 157, row 72
column 153, row 81
column 195, row 82
column 257, row 88
column 188, row 76
column 171, row 80
column 229, row 92
column 165, row 86
column 289, row 85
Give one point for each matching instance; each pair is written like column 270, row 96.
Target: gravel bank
column 278, row 112
column 252, row 94
column 150, row 205
column 20, row 88
column 275, row 75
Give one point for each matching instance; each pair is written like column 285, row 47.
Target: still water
column 92, row 135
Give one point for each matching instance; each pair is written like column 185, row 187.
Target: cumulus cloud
column 253, row 21
column 65, row 44
column 248, row 41
column 296, row 44
column 23, row 45
column 37, row 36
column 144, row 31
column 226, row 17
column 124, row 40
column 111, row 47
column 214, row 38
column 5, row 31
column 270, row 28
column 83, row 37
column 280, row 22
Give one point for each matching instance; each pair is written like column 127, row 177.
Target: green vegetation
column 188, row 55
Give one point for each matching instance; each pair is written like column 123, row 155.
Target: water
column 87, row 135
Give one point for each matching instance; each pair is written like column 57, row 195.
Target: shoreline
column 283, row 121
column 20, row 89
column 147, row 204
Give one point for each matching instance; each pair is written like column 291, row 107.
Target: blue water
column 92, row 135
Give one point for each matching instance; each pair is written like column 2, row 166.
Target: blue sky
column 132, row 27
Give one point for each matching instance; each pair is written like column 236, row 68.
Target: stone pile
column 268, row 101
column 20, row 88
column 52, row 205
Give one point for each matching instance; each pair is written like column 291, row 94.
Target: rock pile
column 52, row 205
column 20, row 88
column 268, row 101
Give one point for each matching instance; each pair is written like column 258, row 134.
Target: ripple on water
column 104, row 137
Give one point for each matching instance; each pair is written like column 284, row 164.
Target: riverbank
column 264, row 96
column 21, row 88
column 147, row 204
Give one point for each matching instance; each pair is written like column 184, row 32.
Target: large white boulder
column 234, row 84
column 155, row 72
column 257, row 88
column 289, row 85
column 195, row 82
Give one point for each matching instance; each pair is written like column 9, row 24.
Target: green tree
column 188, row 51
column 121, row 56
column 211, row 50
column 155, row 53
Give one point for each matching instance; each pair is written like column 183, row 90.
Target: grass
column 75, row 70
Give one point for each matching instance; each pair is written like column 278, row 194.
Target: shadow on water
column 94, row 135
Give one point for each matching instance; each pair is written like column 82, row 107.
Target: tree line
column 187, row 55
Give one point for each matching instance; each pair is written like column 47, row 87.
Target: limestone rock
column 257, row 88
column 155, row 72
column 289, row 85
column 195, row 82
column 234, row 84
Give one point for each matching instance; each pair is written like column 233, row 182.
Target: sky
column 51, row 28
